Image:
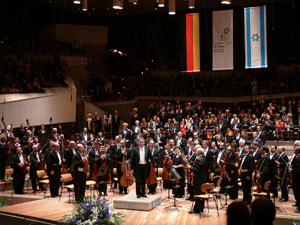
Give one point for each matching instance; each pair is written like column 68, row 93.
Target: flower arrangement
column 93, row 211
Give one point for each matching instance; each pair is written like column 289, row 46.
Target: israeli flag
column 255, row 37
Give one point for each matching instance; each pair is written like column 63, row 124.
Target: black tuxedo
column 79, row 177
column 263, row 137
column 68, row 156
column 223, row 127
column 134, row 129
column 247, row 167
column 19, row 175
column 274, row 180
column 33, row 169
column 127, row 136
column 21, row 133
column 200, row 171
column 141, row 171
column 283, row 160
column 53, row 165
column 183, row 142
column 162, row 138
column 257, row 155
column 209, row 159
column 82, row 137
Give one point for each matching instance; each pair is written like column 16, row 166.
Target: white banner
column 223, row 40
column 255, row 37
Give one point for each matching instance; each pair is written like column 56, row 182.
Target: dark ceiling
column 103, row 8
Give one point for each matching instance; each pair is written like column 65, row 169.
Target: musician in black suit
column 188, row 149
column 122, row 153
column 223, row 127
column 160, row 139
column 200, row 171
column 295, row 169
column 35, row 159
column 282, row 162
column 42, row 130
column 209, row 156
column 54, row 162
column 273, row 167
column 256, row 152
column 232, row 170
column 22, row 131
column 140, row 159
column 19, row 164
column 255, row 138
column 137, row 128
column 179, row 140
column 68, row 156
column 261, row 134
column 156, row 156
column 191, row 156
column 116, row 120
column 79, row 173
column 247, row 167
column 126, row 134
column 263, row 168
column 103, row 163
column 84, row 136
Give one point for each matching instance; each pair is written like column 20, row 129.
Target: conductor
column 140, row 164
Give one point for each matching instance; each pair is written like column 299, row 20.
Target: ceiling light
column 226, row 2
column 172, row 10
column 77, row 2
column 191, row 4
column 161, row 3
column 84, row 5
column 134, row 2
column 117, row 4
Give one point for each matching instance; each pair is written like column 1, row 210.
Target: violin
column 152, row 179
column 126, row 180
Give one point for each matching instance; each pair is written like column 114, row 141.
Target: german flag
column 191, row 44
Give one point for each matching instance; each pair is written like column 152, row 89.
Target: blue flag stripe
column 262, row 34
column 248, row 38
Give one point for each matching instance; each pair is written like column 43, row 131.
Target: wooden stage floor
column 51, row 209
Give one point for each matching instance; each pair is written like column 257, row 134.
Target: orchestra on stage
column 183, row 146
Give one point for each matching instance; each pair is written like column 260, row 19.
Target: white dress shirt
column 142, row 155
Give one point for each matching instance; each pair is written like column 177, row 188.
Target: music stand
column 176, row 176
column 168, row 167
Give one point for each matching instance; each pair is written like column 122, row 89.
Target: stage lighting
column 191, row 4
column 118, row 4
column 161, row 3
column 84, row 5
column 172, row 10
column 134, row 2
column 226, row 2
column 77, row 2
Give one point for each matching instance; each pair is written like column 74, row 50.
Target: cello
column 63, row 166
column 152, row 178
column 166, row 173
column 126, row 180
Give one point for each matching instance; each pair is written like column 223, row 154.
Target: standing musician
column 94, row 156
column 122, row 153
column 89, row 122
column 140, row 159
column 160, row 139
column 103, row 161
column 208, row 156
column 54, row 163
column 232, row 170
column 27, row 141
column 19, row 164
column 68, row 156
column 167, row 156
column 35, row 159
column 178, row 164
column 156, row 156
column 295, row 169
column 256, row 151
column 247, row 167
column 281, row 162
column 263, row 170
column 274, row 181
column 4, row 149
column 80, row 163
column 200, row 171
column 126, row 134
column 191, row 156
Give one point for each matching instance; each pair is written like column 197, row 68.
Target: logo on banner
column 255, row 37
column 225, row 35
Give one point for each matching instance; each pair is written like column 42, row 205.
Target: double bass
column 126, row 180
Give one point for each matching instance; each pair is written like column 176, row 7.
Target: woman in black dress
column 178, row 164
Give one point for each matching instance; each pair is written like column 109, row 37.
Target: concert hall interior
column 160, row 111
